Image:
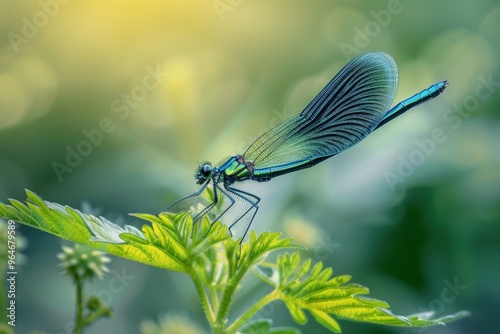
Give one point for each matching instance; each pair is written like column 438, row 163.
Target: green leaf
column 296, row 312
column 244, row 256
column 263, row 326
column 326, row 320
column 217, row 264
column 303, row 288
column 168, row 241
column 425, row 319
column 211, row 267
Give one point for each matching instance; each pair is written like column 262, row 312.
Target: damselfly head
column 204, row 173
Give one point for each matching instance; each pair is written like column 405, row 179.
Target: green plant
column 217, row 264
column 82, row 264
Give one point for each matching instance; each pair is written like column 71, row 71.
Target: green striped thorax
column 234, row 169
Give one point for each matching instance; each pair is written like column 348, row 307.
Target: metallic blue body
column 239, row 171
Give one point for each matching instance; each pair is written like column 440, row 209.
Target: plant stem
column 251, row 312
column 207, row 308
column 103, row 311
column 226, row 299
column 79, row 305
column 214, row 297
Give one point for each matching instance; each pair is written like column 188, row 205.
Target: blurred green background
column 404, row 214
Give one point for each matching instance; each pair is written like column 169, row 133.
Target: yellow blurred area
column 302, row 231
column 28, row 88
column 105, row 46
column 98, row 44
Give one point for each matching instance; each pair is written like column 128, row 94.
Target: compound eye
column 205, row 170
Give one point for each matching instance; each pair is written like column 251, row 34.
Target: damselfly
column 351, row 106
